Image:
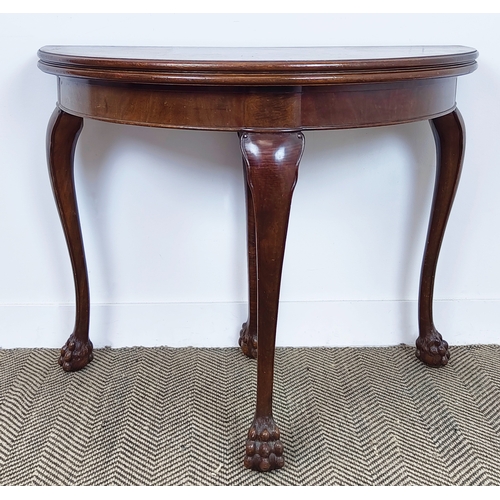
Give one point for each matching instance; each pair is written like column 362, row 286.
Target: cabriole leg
column 62, row 136
column 248, row 334
column 271, row 161
column 449, row 134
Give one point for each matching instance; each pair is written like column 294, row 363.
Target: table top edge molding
column 253, row 68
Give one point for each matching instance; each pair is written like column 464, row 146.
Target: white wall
column 163, row 211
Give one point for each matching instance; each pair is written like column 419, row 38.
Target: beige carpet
column 161, row 416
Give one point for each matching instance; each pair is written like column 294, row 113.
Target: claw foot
column 75, row 354
column 433, row 350
column 264, row 450
column 248, row 341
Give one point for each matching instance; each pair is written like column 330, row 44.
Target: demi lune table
column 269, row 96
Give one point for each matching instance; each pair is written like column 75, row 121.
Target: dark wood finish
column 269, row 96
column 449, row 134
column 257, row 66
column 248, row 333
column 272, row 108
column 272, row 163
column 62, row 135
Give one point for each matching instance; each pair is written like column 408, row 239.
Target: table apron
column 258, row 108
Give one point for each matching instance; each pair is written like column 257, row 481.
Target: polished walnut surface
column 258, row 65
column 259, row 88
column 269, row 96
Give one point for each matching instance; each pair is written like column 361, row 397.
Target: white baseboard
column 336, row 323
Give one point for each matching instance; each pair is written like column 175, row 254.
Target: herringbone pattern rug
column 161, row 416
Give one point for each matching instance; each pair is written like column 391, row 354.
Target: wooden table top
column 258, row 65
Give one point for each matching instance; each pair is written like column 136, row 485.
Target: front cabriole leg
column 271, row 161
column 449, row 134
column 62, row 136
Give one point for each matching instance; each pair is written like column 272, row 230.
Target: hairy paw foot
column 264, row 450
column 75, row 354
column 248, row 341
column 433, row 350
